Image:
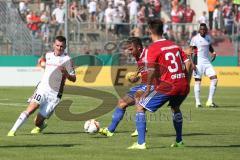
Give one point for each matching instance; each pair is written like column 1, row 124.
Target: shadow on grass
column 39, row 145
column 186, row 134
column 229, row 106
column 157, row 147
column 71, row 132
column 215, row 146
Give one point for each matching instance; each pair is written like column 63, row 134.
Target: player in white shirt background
column 49, row 91
column 202, row 42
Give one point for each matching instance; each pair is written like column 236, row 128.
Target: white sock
column 21, row 119
column 197, row 91
column 212, row 89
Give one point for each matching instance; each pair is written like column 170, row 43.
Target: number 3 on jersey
column 171, row 56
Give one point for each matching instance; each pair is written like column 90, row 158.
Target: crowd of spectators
column 113, row 16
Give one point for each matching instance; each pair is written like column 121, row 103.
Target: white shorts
column 47, row 101
column 204, row 69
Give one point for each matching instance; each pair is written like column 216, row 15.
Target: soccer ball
column 91, row 126
column 132, row 77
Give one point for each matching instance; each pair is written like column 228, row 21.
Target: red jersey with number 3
column 168, row 60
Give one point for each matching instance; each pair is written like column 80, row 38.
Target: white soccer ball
column 91, row 126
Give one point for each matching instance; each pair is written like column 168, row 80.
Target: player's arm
column 193, row 46
column 213, row 53
column 187, row 59
column 150, row 77
column 68, row 71
column 189, row 52
column 70, row 77
column 151, row 58
column 192, row 56
column 42, row 61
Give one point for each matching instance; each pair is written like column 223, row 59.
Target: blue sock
column 177, row 122
column 141, row 126
column 116, row 118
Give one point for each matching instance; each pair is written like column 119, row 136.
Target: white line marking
column 13, row 104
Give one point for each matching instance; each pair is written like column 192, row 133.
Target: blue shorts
column 140, row 87
column 156, row 100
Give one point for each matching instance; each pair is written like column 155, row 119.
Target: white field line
column 13, row 104
column 4, row 99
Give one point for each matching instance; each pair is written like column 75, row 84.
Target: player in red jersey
column 170, row 67
column 136, row 49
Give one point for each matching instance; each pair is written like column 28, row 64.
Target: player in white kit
column 49, row 91
column 202, row 43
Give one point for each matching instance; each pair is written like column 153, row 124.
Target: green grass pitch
column 209, row 134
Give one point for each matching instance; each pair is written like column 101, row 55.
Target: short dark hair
column 136, row 41
column 61, row 39
column 155, row 26
column 203, row 25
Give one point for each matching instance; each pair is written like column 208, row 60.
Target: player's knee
column 214, row 81
column 140, row 108
column 213, row 77
column 197, row 81
column 122, row 104
column 31, row 108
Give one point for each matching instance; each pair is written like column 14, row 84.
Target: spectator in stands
column 109, row 18
column 189, row 14
column 45, row 5
column 118, row 20
column 58, row 16
column 156, row 7
column 177, row 18
column 73, row 9
column 237, row 19
column 119, row 2
column 23, row 8
column 216, row 18
column 211, row 6
column 83, row 2
column 92, row 9
column 175, row 4
column 150, row 13
column 203, row 18
column 45, row 31
column 228, row 16
column 101, row 7
column 82, row 14
column 33, row 21
column 188, row 18
column 141, row 18
column 133, row 7
column 236, row 5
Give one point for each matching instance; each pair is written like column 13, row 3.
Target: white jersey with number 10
column 53, row 80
